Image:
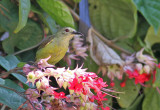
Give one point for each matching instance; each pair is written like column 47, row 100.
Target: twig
column 19, row 93
column 3, row 107
column 30, row 48
column 11, row 71
column 108, row 42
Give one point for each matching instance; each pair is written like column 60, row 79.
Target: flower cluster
column 140, row 67
column 76, row 49
column 73, row 87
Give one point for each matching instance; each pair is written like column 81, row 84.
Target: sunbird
column 56, row 46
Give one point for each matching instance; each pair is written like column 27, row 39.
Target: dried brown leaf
column 101, row 53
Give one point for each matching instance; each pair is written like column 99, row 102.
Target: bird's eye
column 67, row 30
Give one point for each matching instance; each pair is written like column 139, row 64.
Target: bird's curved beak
column 77, row 33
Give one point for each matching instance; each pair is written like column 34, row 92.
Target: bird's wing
column 47, row 40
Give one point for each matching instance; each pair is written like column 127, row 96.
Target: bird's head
column 68, row 33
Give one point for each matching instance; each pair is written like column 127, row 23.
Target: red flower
column 106, row 108
column 59, row 95
column 123, row 84
column 76, row 86
column 158, row 65
column 100, row 97
column 154, row 76
column 99, row 83
column 133, row 74
column 112, row 84
column 139, row 78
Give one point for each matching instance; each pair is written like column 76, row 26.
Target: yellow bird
column 56, row 46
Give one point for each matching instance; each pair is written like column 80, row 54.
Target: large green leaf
column 30, row 35
column 28, row 56
column 91, row 65
column 142, row 27
column 151, row 100
column 9, row 21
column 4, row 63
column 47, row 19
column 157, row 81
column 113, row 18
column 24, row 8
column 9, row 62
column 150, row 10
column 58, row 11
column 2, row 81
column 51, row 23
column 9, row 97
column 137, row 104
column 13, row 61
column 130, row 93
column 152, row 38
column 127, row 44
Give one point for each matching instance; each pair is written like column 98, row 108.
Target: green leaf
column 130, row 93
column 21, row 64
column 4, row 63
column 114, row 18
column 90, row 64
column 24, row 8
column 9, row 62
column 157, row 81
column 9, row 97
column 142, row 27
column 47, row 19
column 151, row 100
column 29, row 36
column 150, row 10
column 28, row 56
column 137, row 104
column 77, row 1
column 127, row 44
column 9, row 21
column 152, row 38
column 58, row 11
column 2, row 81
column 13, row 61
column 51, row 23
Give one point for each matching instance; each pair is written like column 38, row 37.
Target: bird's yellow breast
column 55, row 50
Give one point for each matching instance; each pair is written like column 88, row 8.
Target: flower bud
column 26, row 68
column 31, row 77
column 60, row 81
column 146, row 69
column 39, row 74
column 65, row 85
column 139, row 66
column 145, row 58
column 38, row 84
column 71, row 91
column 50, row 90
column 45, row 82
